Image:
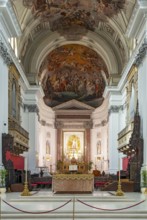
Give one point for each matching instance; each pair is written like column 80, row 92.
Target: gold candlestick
column 26, row 190
column 119, row 191
column 145, row 191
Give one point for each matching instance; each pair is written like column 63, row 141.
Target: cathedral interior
column 73, row 96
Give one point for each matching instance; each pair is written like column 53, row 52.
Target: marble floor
column 98, row 205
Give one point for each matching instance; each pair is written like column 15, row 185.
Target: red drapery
column 18, row 161
column 125, row 161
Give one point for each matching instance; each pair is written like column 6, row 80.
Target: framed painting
column 73, row 144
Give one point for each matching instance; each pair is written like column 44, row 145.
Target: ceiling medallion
column 73, row 18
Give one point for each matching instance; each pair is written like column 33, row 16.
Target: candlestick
column 26, row 190
column 119, row 191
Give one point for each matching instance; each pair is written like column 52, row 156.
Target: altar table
column 79, row 183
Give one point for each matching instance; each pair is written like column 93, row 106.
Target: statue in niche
column 99, row 147
column 47, row 147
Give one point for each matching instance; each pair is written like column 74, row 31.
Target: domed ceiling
column 74, row 72
column 76, row 47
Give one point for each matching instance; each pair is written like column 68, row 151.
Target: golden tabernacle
column 73, row 183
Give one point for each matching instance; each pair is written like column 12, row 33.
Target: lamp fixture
column 74, row 17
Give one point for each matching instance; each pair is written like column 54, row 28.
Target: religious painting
column 74, row 72
column 73, row 145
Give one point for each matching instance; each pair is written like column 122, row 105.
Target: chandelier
column 73, row 18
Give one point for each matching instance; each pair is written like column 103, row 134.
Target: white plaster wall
column 93, row 146
column 51, row 138
column 3, row 102
column 104, row 145
column 100, row 133
column 43, row 138
column 46, row 132
column 42, row 145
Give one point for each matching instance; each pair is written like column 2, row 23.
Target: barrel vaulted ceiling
column 75, row 61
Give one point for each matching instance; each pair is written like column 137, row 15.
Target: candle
column 118, row 167
column 26, row 167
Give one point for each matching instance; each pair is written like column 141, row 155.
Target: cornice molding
column 10, row 53
column 101, row 124
column 137, row 19
column 44, row 123
column 82, row 125
column 9, row 18
column 72, row 104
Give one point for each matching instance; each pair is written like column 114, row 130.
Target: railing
column 126, row 130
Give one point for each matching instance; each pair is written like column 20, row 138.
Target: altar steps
column 77, row 215
column 98, row 205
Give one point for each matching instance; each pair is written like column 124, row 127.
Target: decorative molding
column 75, row 126
column 10, row 53
column 9, row 18
column 73, row 104
column 49, row 125
column 84, row 125
column 4, row 53
column 31, row 108
column 44, row 123
column 88, row 124
column 59, row 124
column 141, row 54
column 102, row 124
column 115, row 109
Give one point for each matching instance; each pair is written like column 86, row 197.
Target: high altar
column 73, row 177
column 73, row 150
column 73, row 183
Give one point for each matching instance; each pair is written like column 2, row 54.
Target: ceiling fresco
column 73, row 18
column 73, row 72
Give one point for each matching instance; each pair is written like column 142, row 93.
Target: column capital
column 31, row 108
column 141, row 53
column 115, row 109
column 4, row 53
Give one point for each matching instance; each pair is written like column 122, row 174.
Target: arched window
column 14, row 99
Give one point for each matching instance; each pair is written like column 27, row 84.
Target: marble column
column 31, row 124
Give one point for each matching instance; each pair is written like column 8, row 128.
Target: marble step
column 77, row 215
